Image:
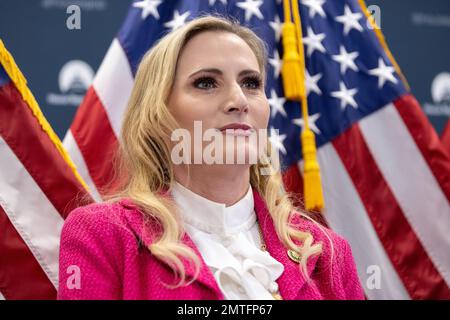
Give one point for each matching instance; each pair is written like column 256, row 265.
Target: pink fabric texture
column 103, row 255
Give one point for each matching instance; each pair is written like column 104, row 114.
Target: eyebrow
column 219, row 72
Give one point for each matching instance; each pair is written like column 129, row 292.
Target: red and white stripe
column 34, row 217
column 346, row 214
column 385, row 183
column 92, row 138
column 381, row 194
column 32, row 203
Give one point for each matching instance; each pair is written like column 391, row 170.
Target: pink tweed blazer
column 102, row 256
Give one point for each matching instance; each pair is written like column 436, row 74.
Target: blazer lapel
column 146, row 235
column 291, row 281
column 205, row 276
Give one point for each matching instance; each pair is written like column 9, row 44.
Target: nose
column 237, row 101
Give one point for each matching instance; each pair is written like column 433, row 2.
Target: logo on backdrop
column 440, row 93
column 74, row 79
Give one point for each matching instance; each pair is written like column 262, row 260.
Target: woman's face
column 218, row 82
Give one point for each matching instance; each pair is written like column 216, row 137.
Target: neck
column 222, row 184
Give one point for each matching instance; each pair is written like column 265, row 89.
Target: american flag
column 385, row 174
column 446, row 136
column 38, row 189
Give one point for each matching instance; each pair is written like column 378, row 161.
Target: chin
column 242, row 155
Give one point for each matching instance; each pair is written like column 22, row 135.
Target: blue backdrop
column 59, row 62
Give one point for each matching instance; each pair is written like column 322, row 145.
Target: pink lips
column 237, row 129
column 235, row 126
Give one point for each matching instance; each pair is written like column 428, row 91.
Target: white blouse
column 229, row 241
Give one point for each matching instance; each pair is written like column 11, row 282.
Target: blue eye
column 252, row 82
column 205, row 83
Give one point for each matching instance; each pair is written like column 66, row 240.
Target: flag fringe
column 294, row 84
column 19, row 80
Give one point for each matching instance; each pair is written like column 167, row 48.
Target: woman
column 195, row 229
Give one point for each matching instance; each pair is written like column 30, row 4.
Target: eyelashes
column 254, row 81
column 207, row 83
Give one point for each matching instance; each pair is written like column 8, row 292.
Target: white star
column 345, row 95
column 148, row 7
column 251, row 8
column 314, row 41
column 277, row 140
column 350, row 20
column 277, row 104
column 311, row 122
column 383, row 73
column 276, row 26
column 213, row 2
column 177, row 21
column 346, row 60
column 276, row 62
column 315, row 6
column 311, row 83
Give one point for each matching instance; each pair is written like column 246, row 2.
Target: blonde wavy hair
column 145, row 155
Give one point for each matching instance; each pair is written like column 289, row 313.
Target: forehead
column 217, row 49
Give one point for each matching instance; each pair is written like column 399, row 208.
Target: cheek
column 262, row 113
column 187, row 109
column 196, row 117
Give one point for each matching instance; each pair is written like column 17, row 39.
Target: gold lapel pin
column 277, row 296
column 293, row 255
